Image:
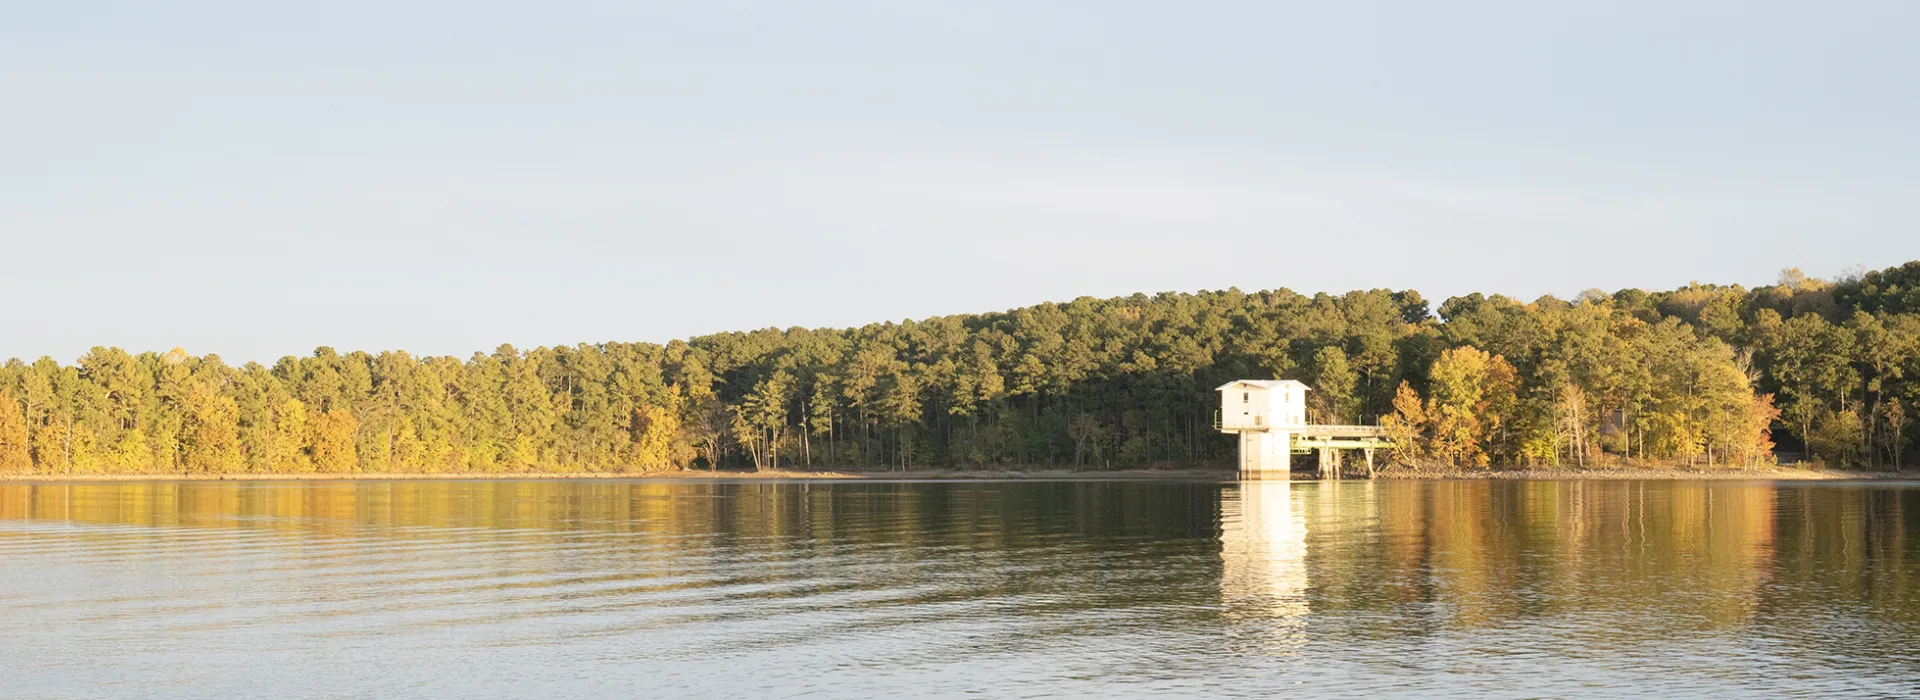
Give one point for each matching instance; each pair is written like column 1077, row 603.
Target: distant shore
column 682, row 475
column 1632, row 473
column 1398, row 474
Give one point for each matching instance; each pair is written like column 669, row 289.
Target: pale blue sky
column 256, row 179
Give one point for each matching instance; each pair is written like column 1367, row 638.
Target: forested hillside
column 1704, row 374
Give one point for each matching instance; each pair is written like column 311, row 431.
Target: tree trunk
column 1898, row 442
column 1626, row 429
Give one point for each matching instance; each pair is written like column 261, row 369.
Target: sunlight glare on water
column 464, row 589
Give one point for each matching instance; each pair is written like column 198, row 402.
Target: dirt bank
column 1665, row 473
column 696, row 475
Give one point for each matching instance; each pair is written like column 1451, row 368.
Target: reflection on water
column 1263, row 552
column 565, row 589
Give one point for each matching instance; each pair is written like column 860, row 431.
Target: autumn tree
column 1407, row 426
column 14, row 454
column 211, row 441
column 659, row 444
column 330, row 443
column 1471, row 394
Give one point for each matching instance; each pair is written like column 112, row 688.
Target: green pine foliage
column 1702, row 375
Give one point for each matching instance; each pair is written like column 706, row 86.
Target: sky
column 259, row 179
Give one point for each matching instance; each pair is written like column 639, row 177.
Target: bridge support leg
column 1369, row 462
column 1329, row 463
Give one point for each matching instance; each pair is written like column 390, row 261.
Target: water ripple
column 1058, row 589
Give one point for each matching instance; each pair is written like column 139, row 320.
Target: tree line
column 1704, row 374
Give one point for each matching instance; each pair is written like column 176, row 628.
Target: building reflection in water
column 1263, row 547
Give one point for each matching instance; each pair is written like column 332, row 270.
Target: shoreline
column 1441, row 474
column 682, row 475
column 1640, row 473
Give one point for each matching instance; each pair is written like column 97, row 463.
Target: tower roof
column 1264, row 384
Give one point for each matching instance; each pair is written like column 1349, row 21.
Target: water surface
column 458, row 589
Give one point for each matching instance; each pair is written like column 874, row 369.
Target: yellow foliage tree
column 407, row 453
column 1751, row 445
column 15, row 455
column 86, row 451
column 213, row 434
column 331, row 441
column 287, row 449
column 657, row 440
column 52, row 446
column 1406, row 426
column 133, row 454
column 1472, row 393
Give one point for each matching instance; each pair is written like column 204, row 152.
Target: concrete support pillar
column 1369, row 462
column 1265, row 454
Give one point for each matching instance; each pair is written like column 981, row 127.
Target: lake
column 597, row 588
